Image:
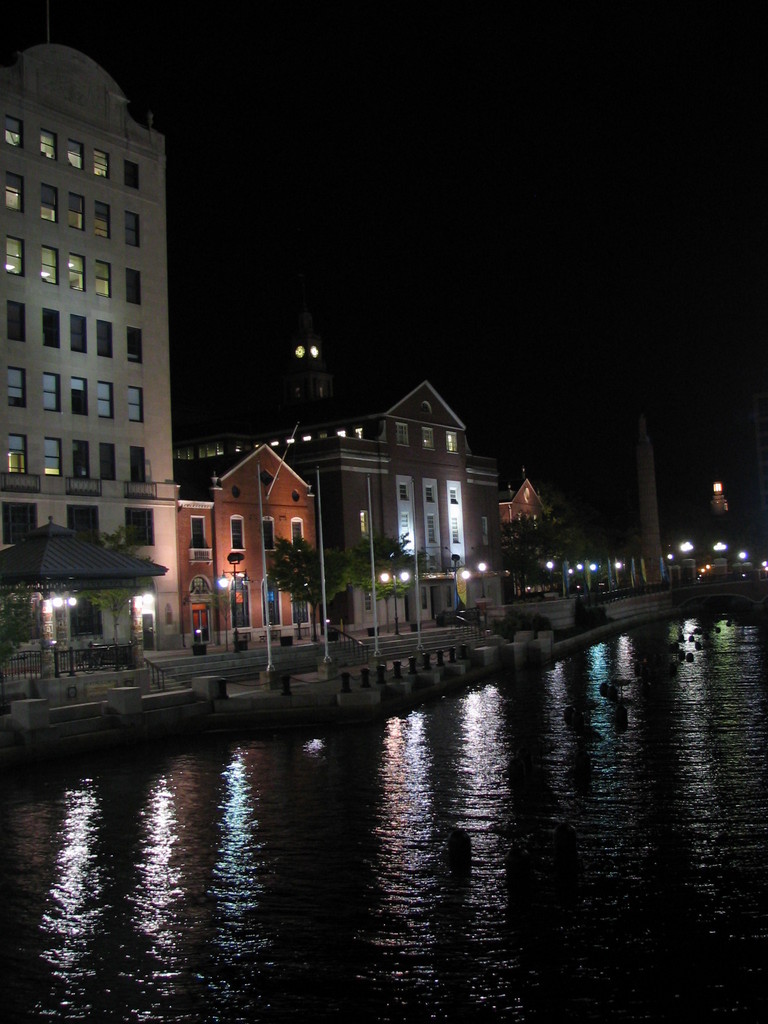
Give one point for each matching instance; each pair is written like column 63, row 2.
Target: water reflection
column 159, row 895
column 75, row 905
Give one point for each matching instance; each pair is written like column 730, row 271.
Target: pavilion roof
column 53, row 556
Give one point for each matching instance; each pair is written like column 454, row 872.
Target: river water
column 240, row 878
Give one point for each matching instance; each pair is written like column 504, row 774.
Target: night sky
column 558, row 218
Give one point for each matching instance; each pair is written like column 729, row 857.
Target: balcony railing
column 201, row 554
column 140, row 489
column 83, row 485
column 27, row 482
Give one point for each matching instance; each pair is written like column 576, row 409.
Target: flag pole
column 376, row 651
column 327, row 657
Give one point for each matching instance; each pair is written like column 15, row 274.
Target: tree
column 15, row 620
column 115, row 599
column 297, row 570
column 390, row 557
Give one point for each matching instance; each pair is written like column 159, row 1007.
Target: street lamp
column 385, row 578
column 223, row 584
column 481, row 569
column 234, row 558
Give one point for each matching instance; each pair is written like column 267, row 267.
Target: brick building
column 220, row 554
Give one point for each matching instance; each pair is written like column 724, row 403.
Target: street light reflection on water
column 261, row 877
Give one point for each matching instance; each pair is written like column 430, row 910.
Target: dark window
column 84, row 519
column 18, row 520
column 140, row 522
column 133, row 344
column 131, row 228
column 131, row 172
column 79, row 396
column 104, row 338
column 78, row 340
column 81, row 463
column 138, row 465
column 84, row 619
column 106, row 460
column 132, row 286
column 51, row 392
column 16, row 321
column 269, row 535
column 136, row 405
column 51, row 328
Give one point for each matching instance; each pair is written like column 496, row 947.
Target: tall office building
column 84, row 317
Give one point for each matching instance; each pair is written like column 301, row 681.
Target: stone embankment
column 334, row 695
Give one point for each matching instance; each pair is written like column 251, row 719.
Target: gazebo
column 54, row 561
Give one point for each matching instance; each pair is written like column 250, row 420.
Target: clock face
column 314, row 351
column 300, row 351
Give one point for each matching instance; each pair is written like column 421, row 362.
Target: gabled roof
column 421, row 393
column 264, row 451
column 54, row 555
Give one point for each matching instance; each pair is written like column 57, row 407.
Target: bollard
column 365, row 681
column 286, row 686
column 440, row 659
column 397, row 672
column 426, row 659
column 463, row 652
column 380, row 670
column 345, row 682
column 412, row 665
column 452, row 655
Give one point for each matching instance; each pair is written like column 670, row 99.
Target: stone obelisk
column 650, row 534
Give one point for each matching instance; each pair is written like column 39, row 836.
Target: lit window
column 17, row 386
column 52, row 456
column 105, row 402
column 403, row 492
column 14, row 255
column 296, row 530
column 76, row 267
column 100, row 163
column 131, row 228
column 75, row 154
column 427, row 437
column 14, row 131
column 101, row 219
column 451, row 441
column 48, row 144
column 429, row 493
column 78, row 341
column 133, row 344
column 453, row 496
column 79, row 395
column 401, row 433
column 363, row 522
column 431, row 530
column 49, row 202
column 17, row 453
column 104, row 338
column 484, row 528
column 51, row 392
column 102, row 273
column 76, row 211
column 135, row 405
column 49, row 265
column 454, row 530
column 14, row 192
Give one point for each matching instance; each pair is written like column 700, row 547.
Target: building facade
column 405, row 471
column 84, row 329
column 220, row 546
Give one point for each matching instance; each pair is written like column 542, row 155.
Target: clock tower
column 307, row 379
